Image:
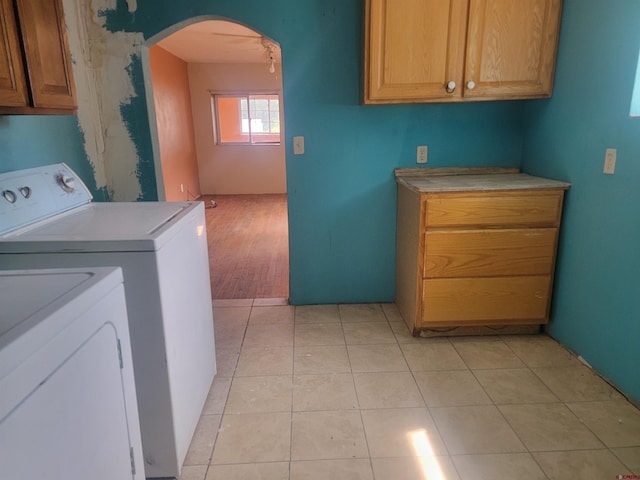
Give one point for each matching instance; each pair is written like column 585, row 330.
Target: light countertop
column 478, row 182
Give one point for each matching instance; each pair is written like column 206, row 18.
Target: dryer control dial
column 66, row 182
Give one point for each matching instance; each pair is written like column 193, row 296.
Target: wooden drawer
column 491, row 209
column 489, row 253
column 488, row 301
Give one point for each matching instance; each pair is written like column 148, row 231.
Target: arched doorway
column 209, row 77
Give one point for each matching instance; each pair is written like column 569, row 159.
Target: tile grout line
column 426, row 406
column 424, row 400
column 497, row 407
column 560, row 402
column 364, row 430
column 397, row 342
column 224, row 408
column 565, row 403
column 493, row 403
column 293, row 372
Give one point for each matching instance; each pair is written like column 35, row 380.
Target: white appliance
column 47, row 220
column 67, row 395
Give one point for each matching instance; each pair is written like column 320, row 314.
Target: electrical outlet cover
column 421, row 154
column 610, row 161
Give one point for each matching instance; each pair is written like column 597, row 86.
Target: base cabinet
column 476, row 258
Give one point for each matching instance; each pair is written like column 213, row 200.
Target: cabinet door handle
column 471, row 84
column 451, row 87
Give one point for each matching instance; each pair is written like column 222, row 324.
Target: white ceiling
column 219, row 41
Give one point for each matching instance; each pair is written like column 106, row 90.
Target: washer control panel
column 35, row 194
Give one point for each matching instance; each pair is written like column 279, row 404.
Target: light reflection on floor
column 428, row 461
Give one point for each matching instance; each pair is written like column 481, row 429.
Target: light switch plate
column 298, row 145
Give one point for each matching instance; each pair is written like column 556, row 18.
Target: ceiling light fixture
column 270, row 51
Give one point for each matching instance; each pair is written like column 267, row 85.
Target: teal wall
column 342, row 190
column 31, row 141
column 342, row 193
column 596, row 309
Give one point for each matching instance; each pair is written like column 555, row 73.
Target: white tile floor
column 343, row 392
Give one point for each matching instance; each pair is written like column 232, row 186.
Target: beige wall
column 176, row 141
column 229, row 169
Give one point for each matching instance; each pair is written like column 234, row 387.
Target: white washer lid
column 97, row 227
column 108, row 221
column 24, row 293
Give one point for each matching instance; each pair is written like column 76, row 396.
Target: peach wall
column 239, row 169
column 172, row 100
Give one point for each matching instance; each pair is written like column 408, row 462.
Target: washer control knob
column 25, row 191
column 9, row 196
column 67, row 182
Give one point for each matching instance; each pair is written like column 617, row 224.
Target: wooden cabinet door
column 511, row 48
column 47, row 53
column 413, row 48
column 13, row 85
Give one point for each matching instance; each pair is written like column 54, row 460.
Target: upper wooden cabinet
column 459, row 50
column 35, row 64
column 13, row 85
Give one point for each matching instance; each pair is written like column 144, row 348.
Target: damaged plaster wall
column 101, row 62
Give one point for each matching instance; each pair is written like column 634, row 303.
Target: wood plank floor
column 248, row 246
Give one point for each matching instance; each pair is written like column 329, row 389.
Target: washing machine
column 68, row 406
column 47, row 220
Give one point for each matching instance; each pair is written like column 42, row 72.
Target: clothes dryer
column 68, row 406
